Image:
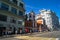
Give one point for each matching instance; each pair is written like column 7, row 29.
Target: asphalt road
column 9, row 39
column 36, row 36
column 55, row 34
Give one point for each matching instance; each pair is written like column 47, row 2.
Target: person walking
column 20, row 31
column 16, row 32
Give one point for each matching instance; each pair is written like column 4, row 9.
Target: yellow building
column 11, row 16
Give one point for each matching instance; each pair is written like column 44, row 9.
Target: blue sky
column 37, row 5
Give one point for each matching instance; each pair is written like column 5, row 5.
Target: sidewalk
column 14, row 35
column 7, row 36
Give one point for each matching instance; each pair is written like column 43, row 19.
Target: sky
column 37, row 5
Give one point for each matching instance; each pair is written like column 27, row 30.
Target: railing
column 10, row 13
column 13, row 4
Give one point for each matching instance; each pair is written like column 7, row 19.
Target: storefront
column 19, row 30
column 27, row 30
column 2, row 31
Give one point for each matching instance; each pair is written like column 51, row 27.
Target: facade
column 30, row 22
column 11, row 16
column 28, row 26
column 41, row 26
column 59, row 23
column 32, row 18
column 50, row 18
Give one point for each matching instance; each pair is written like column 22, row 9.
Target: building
column 30, row 21
column 59, row 23
column 11, row 16
column 51, row 19
column 41, row 26
column 28, row 26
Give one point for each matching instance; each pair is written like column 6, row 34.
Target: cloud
column 27, row 12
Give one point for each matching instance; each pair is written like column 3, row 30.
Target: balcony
column 9, row 13
column 14, row 5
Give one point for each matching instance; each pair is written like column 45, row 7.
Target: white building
column 51, row 19
column 11, row 15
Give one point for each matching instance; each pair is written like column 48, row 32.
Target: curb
column 7, row 36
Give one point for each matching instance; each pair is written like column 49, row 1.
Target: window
column 20, row 22
column 26, row 17
column 20, row 13
column 3, row 18
column 13, row 10
column 10, row 0
column 30, row 20
column 34, row 16
column 13, row 20
column 21, row 4
column 48, row 17
column 30, row 15
column 4, row 6
column 15, row 1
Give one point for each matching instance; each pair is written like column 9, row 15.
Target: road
column 9, row 39
column 36, row 36
column 55, row 34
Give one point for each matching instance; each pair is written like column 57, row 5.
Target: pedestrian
column 20, row 31
column 16, row 31
column 31, row 31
